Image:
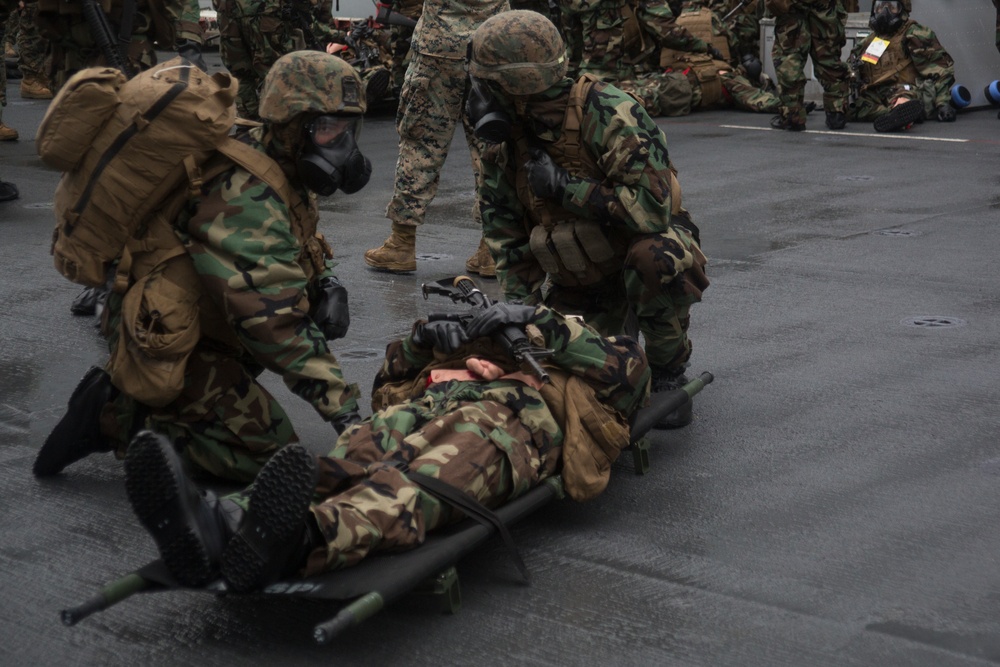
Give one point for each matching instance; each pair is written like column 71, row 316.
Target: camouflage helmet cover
column 310, row 82
column 522, row 51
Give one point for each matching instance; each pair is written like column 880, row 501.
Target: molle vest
column 572, row 251
column 702, row 65
column 894, row 65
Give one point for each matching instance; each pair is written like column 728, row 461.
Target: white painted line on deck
column 841, row 133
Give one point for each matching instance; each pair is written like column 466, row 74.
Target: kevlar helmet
column 310, row 82
column 520, row 50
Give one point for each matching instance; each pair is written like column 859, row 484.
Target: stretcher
column 364, row 589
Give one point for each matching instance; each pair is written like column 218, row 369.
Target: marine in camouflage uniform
column 73, row 47
column 803, row 29
column 490, row 435
column 430, row 108
column 32, row 51
column 906, row 66
column 624, row 45
column 595, row 212
column 253, row 34
column 258, row 263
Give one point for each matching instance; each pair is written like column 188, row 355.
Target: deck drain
column 933, row 321
column 896, row 232
column 432, row 256
column 40, row 205
column 856, row 178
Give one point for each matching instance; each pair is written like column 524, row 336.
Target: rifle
column 463, row 289
column 104, row 37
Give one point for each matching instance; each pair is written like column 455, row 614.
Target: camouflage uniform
column 253, row 34
column 32, row 48
column 431, row 101
column 661, row 271
column 73, row 47
column 610, row 53
column 743, row 27
column 815, row 28
column 225, row 421
column 400, row 38
column 928, row 78
column 494, row 440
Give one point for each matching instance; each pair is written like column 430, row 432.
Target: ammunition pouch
column 702, row 67
column 575, row 252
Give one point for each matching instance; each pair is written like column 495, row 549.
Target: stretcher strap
column 470, row 506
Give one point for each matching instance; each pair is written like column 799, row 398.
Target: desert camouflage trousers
column 430, row 106
column 224, row 422
column 811, row 31
column 364, row 500
column 648, row 286
column 32, row 48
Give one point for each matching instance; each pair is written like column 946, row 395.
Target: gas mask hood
column 330, row 158
column 490, row 121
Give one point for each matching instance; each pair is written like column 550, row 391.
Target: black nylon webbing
column 470, row 506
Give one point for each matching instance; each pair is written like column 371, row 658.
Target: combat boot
column 190, row 527
column 33, row 89
column 78, row 433
column 836, row 120
column 7, row 133
column 278, row 531
column 782, row 123
column 482, row 262
column 8, row 191
column 399, row 252
column 900, row 116
column 668, row 380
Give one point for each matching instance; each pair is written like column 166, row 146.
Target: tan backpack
column 125, row 148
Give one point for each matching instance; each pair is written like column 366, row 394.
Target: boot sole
column 391, row 268
column 279, row 500
column 153, row 486
column 899, row 117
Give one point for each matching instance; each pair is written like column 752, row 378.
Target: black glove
column 546, row 179
column 328, row 307
column 716, row 54
column 945, row 113
column 497, row 316
column 344, row 421
column 191, row 50
column 444, row 335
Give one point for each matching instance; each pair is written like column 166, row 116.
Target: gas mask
column 887, row 17
column 490, row 121
column 330, row 158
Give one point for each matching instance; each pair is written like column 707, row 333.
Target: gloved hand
column 344, row 421
column 546, row 179
column 328, row 307
column 497, row 316
column 716, row 54
column 444, row 335
column 191, row 50
column 945, row 113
